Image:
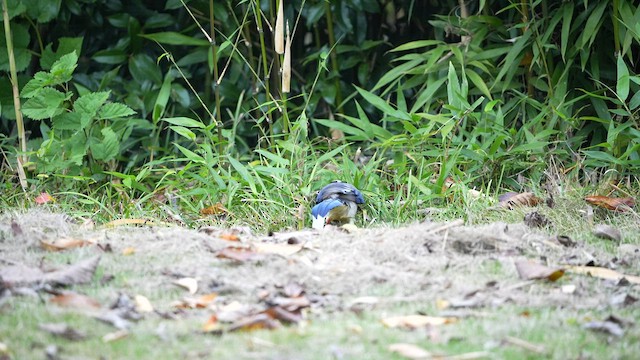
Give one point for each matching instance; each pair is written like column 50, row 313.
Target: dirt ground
column 453, row 267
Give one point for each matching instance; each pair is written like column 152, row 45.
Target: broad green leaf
column 190, row 154
column 634, row 103
column 162, row 99
column 111, row 57
column 622, row 86
column 183, row 131
column 592, row 25
column 479, row 83
column 427, row 94
column 417, row 44
column 174, row 38
column 66, row 45
column 114, row 110
column 46, row 104
column 42, row 11
column 143, row 68
column 243, row 172
column 453, row 87
column 21, row 53
column 185, row 121
column 567, row 14
column 108, row 147
column 382, row 105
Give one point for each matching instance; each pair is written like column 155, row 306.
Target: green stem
column 333, row 55
column 22, row 138
column 265, row 65
column 216, row 91
column 616, row 27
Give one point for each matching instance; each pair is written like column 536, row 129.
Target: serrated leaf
column 46, row 104
column 63, row 68
column 109, row 146
column 90, row 103
column 42, row 11
column 114, row 110
column 39, row 81
column 66, row 45
column 67, row 121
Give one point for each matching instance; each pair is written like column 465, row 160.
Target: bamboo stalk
column 22, row 138
column 333, row 56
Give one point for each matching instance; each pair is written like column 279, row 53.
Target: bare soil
column 457, row 270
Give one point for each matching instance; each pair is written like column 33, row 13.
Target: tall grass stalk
column 22, row 138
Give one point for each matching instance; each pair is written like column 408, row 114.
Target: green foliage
column 85, row 132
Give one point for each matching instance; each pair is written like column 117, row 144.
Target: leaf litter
column 287, row 279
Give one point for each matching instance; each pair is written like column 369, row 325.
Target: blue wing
column 323, row 208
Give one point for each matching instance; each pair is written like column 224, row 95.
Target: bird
column 336, row 202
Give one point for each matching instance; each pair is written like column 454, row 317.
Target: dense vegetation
column 178, row 105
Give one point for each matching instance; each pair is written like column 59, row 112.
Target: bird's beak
column 319, row 222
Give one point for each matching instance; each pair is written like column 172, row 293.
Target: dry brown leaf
column 212, row 325
column 409, row 351
column 190, row 284
column 609, row 203
column 255, row 322
column 416, row 321
column 237, row 253
column 284, row 315
column 528, row 270
column 511, row 200
column 76, row 301
column 196, row 303
column 64, row 244
column 216, row 209
column 229, row 237
column 43, row 198
column 284, row 250
column 128, row 251
column 143, row 305
column 603, row 273
column 63, row 330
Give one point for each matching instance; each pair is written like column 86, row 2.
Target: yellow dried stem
column 279, row 32
column 286, row 65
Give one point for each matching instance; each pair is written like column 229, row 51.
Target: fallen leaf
column 409, row 351
column 143, row 305
column 212, row 325
column 284, row 250
column 128, row 251
column 76, row 301
column 237, row 253
column 416, row 321
column 121, row 222
column 609, row 203
column 43, row 198
column 528, row 270
column 216, row 209
column 62, row 330
column 603, row 273
column 511, row 200
column 114, row 318
column 255, row 322
column 64, row 244
column 190, row 284
column 114, row 336
column 229, row 237
column 196, row 303
column 284, row 315
column 607, row 232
